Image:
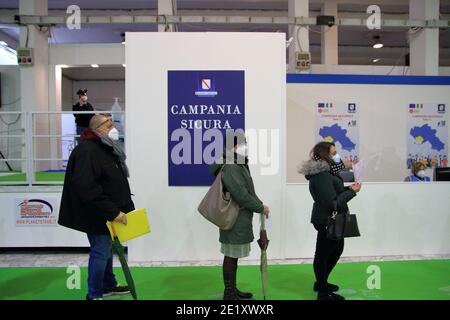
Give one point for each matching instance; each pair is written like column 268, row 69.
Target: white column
column 424, row 44
column 34, row 79
column 169, row 8
column 298, row 8
column 55, row 104
column 329, row 36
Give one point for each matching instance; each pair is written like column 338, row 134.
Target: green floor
column 425, row 279
column 39, row 176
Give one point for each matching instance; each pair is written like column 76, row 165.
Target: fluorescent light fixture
column 376, row 60
column 94, row 65
column 3, row 43
column 378, row 45
column 124, row 65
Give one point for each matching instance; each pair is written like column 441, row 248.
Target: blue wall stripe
column 366, row 79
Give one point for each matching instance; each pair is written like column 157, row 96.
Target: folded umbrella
column 263, row 243
column 120, row 251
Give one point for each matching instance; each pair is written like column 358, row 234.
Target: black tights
column 229, row 264
column 327, row 255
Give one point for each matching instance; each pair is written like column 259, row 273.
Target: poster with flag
column 338, row 122
column 427, row 134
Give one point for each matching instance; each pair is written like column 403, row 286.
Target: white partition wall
column 395, row 219
column 382, row 109
column 179, row 233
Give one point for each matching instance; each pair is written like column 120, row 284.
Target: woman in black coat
column 327, row 190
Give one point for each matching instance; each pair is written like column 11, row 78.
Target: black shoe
column 337, row 297
column 329, row 296
column 331, row 287
column 243, row 295
column 117, row 290
column 324, row 296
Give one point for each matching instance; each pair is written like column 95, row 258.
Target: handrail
column 30, row 142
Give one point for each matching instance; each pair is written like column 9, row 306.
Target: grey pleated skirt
column 235, row 250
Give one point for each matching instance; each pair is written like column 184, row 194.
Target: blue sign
column 201, row 104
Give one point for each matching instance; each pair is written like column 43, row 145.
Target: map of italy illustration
column 336, row 133
column 427, row 134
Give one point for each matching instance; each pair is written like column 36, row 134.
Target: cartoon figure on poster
column 427, row 135
column 339, row 123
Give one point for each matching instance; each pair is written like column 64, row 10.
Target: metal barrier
column 43, row 138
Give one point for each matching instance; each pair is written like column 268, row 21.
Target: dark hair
column 417, row 166
column 322, row 151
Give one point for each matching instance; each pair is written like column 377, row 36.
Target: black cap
column 82, row 92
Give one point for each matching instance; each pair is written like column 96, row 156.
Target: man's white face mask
column 84, row 98
column 113, row 134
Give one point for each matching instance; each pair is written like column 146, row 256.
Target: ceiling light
column 94, row 65
column 377, row 44
column 124, row 65
column 376, row 60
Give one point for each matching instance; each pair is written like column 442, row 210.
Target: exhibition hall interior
column 209, row 150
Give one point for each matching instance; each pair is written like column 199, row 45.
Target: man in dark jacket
column 82, row 120
column 96, row 190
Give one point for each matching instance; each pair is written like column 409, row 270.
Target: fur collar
column 312, row 167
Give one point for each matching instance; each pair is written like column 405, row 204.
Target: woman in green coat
column 235, row 243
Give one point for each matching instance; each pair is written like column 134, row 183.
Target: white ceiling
column 354, row 43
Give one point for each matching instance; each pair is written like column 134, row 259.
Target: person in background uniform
column 82, row 120
column 418, row 173
column 326, row 188
column 235, row 243
column 95, row 191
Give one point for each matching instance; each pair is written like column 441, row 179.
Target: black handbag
column 340, row 226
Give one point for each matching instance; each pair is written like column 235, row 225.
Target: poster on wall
column 338, row 122
column 35, row 212
column 427, row 135
column 200, row 105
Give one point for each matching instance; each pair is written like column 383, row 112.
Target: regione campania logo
column 206, row 88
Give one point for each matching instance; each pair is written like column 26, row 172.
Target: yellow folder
column 137, row 225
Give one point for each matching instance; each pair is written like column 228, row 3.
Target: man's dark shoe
column 117, row 290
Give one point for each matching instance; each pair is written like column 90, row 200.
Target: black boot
column 331, row 287
column 229, row 281
column 243, row 295
column 329, row 296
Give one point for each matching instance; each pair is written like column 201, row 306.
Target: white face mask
column 420, row 173
column 113, row 134
column 337, row 158
column 242, row 150
column 84, row 98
